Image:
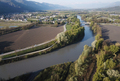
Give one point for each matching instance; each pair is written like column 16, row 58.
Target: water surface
column 66, row 54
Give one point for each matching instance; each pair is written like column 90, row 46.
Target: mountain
column 110, row 7
column 114, row 4
column 116, row 9
column 88, row 5
column 11, row 6
column 94, row 5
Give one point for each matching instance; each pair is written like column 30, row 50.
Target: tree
column 56, row 24
column 110, row 64
column 86, row 47
column 61, row 37
column 91, row 24
column 106, row 48
column 106, row 79
column 113, row 73
column 99, row 43
column 98, row 36
column 114, row 49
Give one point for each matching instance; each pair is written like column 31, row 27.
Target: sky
column 73, row 3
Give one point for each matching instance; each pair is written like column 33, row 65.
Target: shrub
column 113, row 73
column 61, row 37
column 98, row 36
column 91, row 24
column 114, row 48
column 106, row 48
column 117, row 44
column 97, row 77
column 110, row 64
column 76, row 68
column 74, row 78
column 106, row 79
column 0, row 59
column 100, row 59
column 99, row 43
column 117, row 80
column 93, row 43
column 86, row 47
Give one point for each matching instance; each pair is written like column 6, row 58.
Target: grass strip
column 29, row 50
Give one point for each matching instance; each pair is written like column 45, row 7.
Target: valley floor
column 26, row 38
column 111, row 32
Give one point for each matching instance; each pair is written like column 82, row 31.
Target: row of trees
column 101, row 18
column 56, row 24
column 73, row 35
column 106, row 58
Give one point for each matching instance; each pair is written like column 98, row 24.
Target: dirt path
column 93, row 72
column 111, row 32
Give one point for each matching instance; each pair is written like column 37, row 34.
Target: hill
column 116, row 9
column 11, row 6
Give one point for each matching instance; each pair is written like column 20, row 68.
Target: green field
column 32, row 19
column 7, row 24
column 68, row 27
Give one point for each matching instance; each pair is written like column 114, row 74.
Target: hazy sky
column 68, row 2
column 80, row 4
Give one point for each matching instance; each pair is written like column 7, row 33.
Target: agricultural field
column 26, row 38
column 111, row 32
column 7, row 24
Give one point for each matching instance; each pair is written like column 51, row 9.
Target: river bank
column 66, row 54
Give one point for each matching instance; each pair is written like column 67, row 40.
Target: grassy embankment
column 29, row 50
column 63, row 39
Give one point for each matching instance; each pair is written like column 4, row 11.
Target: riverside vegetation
column 101, row 62
column 62, row 39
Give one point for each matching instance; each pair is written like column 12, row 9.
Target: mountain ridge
column 8, row 6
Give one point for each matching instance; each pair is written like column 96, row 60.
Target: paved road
column 27, row 48
column 31, row 47
column 30, row 53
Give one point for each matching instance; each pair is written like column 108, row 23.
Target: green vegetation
column 107, row 57
column 29, row 50
column 79, row 70
column 107, row 64
column 75, row 34
column 98, row 63
column 10, row 30
column 21, row 78
column 96, row 29
column 101, row 17
column 68, row 27
column 63, row 39
column 11, row 23
column 60, row 72
column 32, row 20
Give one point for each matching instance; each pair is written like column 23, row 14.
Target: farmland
column 111, row 32
column 7, row 24
column 25, row 38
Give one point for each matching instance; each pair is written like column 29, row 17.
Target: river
column 66, row 54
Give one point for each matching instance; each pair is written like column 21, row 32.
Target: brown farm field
column 111, row 32
column 26, row 38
